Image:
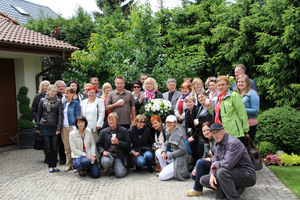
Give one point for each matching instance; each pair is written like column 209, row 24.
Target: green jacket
column 233, row 114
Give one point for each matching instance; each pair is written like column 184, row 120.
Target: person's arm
column 254, row 104
column 92, row 143
column 77, row 108
column 100, row 142
column 232, row 156
column 238, row 104
column 101, row 113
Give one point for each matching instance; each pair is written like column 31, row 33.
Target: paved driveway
column 23, row 175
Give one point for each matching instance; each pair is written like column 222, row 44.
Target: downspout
column 37, row 77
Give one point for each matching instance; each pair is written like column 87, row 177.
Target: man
column 113, row 145
column 95, row 82
column 61, row 86
column 143, row 77
column 241, row 69
column 232, row 169
column 172, row 95
column 122, row 102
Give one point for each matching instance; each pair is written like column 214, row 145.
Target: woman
column 85, row 88
column 197, row 86
column 106, row 88
column 49, row 124
column 203, row 165
column 43, row 87
column 251, row 102
column 229, row 110
column 71, row 109
column 212, row 87
column 83, row 148
column 174, row 153
column 180, row 107
column 75, row 85
column 94, row 111
column 141, row 139
column 113, row 145
column 150, row 91
column 137, row 91
column 191, row 112
column 159, row 138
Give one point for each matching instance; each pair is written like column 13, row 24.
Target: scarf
column 184, row 96
column 218, row 107
column 149, row 94
column 49, row 101
column 137, row 131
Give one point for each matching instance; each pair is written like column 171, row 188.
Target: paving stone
column 25, row 176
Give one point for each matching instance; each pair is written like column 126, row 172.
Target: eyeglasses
column 216, row 132
column 136, row 86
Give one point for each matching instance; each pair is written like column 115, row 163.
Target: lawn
column 290, row 176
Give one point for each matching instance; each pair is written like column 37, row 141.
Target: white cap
column 171, row 118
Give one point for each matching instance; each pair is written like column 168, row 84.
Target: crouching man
column 232, row 169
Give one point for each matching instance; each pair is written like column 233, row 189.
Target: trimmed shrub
column 25, row 121
column 281, row 127
column 265, row 148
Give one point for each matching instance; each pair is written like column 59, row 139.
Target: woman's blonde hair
column 41, row 86
column 225, row 78
column 50, row 87
column 195, row 81
column 150, row 79
column 190, row 98
column 138, row 118
column 104, row 86
column 113, row 115
column 248, row 85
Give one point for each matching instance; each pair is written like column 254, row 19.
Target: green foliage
column 289, row 160
column 265, row 148
column 280, row 126
column 25, row 121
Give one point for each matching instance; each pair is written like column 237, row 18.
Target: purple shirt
column 231, row 153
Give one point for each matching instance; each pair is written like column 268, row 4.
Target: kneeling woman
column 83, row 148
column 174, row 153
column 141, row 139
column 203, row 165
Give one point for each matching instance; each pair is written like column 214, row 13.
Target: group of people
column 105, row 129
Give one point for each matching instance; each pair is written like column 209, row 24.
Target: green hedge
column 281, row 127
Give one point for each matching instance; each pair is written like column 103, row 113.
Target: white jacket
column 99, row 111
column 76, row 143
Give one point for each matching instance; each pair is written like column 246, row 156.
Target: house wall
column 26, row 68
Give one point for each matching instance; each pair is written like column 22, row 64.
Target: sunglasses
column 136, row 86
column 143, row 122
column 213, row 80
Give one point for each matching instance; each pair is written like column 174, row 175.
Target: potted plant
column 25, row 123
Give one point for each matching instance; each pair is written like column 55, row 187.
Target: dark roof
column 33, row 10
column 14, row 37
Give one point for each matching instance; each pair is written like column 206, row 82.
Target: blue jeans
column 145, row 159
column 202, row 168
column 50, row 142
column 94, row 169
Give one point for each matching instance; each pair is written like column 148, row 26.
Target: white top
column 89, row 114
column 66, row 121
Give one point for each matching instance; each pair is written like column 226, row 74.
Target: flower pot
column 26, row 138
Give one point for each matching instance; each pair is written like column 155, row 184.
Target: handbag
column 253, row 153
column 187, row 145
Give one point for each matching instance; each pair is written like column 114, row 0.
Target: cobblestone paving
column 23, row 175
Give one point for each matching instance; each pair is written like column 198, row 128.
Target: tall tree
column 109, row 6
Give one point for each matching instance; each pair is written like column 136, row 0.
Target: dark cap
column 216, row 126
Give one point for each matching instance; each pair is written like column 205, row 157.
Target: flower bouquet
column 158, row 107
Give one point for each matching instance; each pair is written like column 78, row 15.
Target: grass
column 290, row 176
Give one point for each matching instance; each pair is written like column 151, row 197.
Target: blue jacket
column 251, row 102
column 74, row 110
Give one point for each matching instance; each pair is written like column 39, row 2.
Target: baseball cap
column 171, row 118
column 216, row 126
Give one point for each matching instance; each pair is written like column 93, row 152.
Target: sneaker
column 193, row 193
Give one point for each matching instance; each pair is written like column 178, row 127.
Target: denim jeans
column 50, row 142
column 94, row 169
column 145, row 159
column 202, row 168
